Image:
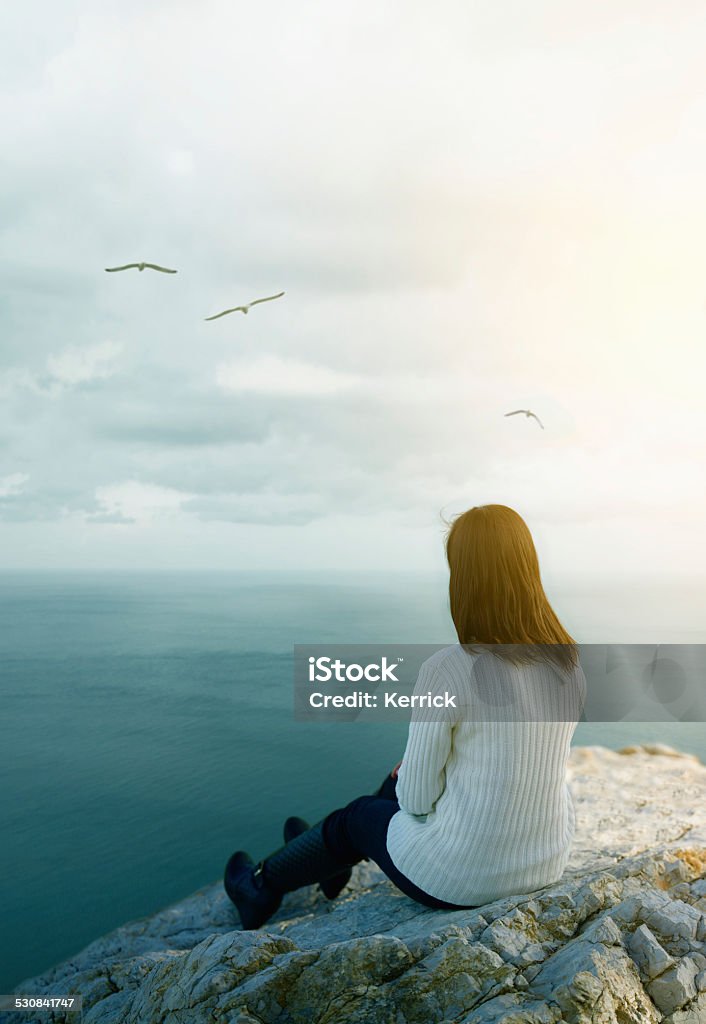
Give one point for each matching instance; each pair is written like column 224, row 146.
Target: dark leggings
column 359, row 831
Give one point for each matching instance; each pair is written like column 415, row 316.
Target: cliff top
column 621, row 938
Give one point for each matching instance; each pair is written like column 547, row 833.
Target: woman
column 480, row 807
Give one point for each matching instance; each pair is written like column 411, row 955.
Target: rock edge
column 621, row 938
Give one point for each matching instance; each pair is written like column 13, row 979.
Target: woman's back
column 485, row 808
column 486, row 811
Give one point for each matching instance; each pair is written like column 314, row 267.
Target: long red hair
column 495, row 589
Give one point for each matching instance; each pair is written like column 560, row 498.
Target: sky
column 471, row 208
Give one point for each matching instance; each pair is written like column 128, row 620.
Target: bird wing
column 269, row 298
column 235, row 309
column 128, row 266
column 163, row 270
column 515, row 412
column 537, row 419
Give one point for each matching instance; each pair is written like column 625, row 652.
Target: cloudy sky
column 471, row 207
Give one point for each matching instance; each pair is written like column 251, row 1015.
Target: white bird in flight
column 140, row 267
column 517, row 412
column 245, row 309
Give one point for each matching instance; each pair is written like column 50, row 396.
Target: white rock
column 676, row 987
column 677, row 925
column 695, row 1013
column 651, row 958
column 676, row 871
column 566, row 953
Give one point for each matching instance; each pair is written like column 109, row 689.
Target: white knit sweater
column 486, row 811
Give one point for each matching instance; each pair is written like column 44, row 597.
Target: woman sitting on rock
column 479, row 808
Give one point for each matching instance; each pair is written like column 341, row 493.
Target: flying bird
column 517, row 412
column 245, row 309
column 140, row 267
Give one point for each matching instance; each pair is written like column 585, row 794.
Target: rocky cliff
column 621, row 938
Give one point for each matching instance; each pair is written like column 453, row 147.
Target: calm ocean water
column 148, row 729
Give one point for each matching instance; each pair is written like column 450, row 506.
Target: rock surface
column 620, row 939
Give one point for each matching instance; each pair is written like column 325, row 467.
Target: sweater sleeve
column 422, row 777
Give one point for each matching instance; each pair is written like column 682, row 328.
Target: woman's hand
column 395, row 771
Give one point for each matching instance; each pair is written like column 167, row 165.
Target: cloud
column 111, row 518
column 134, row 501
column 76, row 365
column 12, row 484
column 475, row 224
column 264, row 508
column 272, row 375
column 15, row 381
column 38, row 504
column 180, row 162
column 153, row 410
column 73, row 367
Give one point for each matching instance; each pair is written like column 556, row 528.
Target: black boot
column 330, row 887
column 245, row 886
column 258, row 893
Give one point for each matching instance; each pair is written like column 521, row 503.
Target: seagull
column 140, row 267
column 245, row 309
column 516, row 412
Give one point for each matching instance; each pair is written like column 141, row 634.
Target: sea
column 148, row 728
